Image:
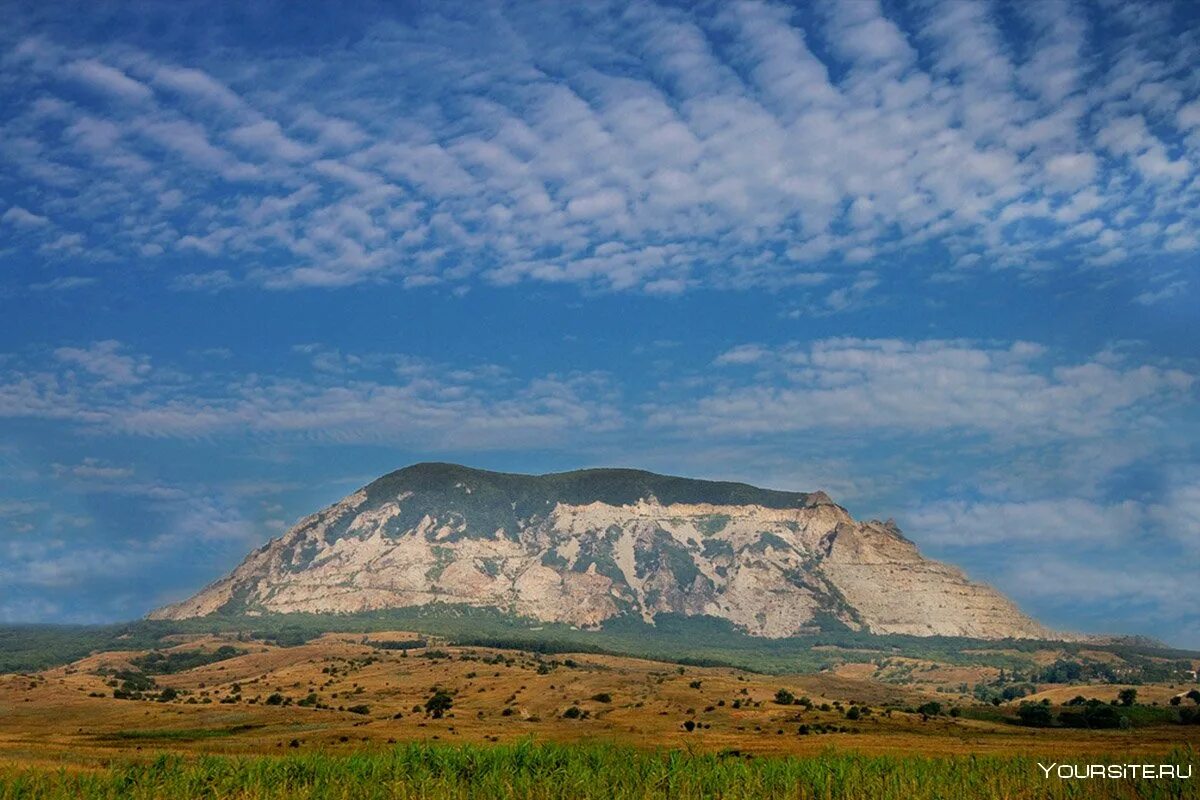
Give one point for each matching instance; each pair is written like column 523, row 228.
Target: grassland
column 581, row 772
column 359, row 715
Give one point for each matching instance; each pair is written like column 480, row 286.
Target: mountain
column 587, row 546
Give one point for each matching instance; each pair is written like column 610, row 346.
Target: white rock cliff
column 584, row 547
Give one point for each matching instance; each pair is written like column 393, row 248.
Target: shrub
column 359, row 709
column 1127, row 697
column 574, row 712
column 1094, row 715
column 602, row 697
column 275, row 699
column 438, row 704
column 1035, row 715
column 932, row 709
column 784, row 698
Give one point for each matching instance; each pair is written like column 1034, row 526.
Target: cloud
column 378, row 398
column 63, row 283
column 925, row 387
column 727, row 152
column 108, row 79
column 21, row 218
column 1152, row 297
column 93, row 469
column 1169, row 594
column 742, row 354
column 1046, row 522
column 105, row 361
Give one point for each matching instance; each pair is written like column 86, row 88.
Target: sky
column 938, row 259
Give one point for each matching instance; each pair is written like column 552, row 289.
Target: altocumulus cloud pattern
column 626, row 146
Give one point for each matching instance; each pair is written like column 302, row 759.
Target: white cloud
column 106, row 361
column 725, row 140
column 397, row 399
column 928, row 386
column 63, row 283
column 110, row 80
column 21, row 218
column 1044, row 523
column 742, row 354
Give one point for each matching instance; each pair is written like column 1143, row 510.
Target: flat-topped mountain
column 583, row 547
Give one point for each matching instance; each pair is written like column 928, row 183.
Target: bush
column 784, row 698
column 275, row 699
column 359, row 709
column 1094, row 715
column 853, row 713
column 602, row 697
column 439, row 703
column 1127, row 697
column 574, row 712
column 931, row 709
column 1035, row 715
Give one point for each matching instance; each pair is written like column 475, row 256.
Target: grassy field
column 358, row 715
column 580, row 772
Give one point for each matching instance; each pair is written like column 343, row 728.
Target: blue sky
column 938, row 259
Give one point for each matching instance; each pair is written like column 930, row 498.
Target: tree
column 933, row 708
column 1127, row 696
column 437, row 705
column 1035, row 715
column 784, row 697
column 853, row 713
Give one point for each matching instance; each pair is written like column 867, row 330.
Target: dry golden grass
column 50, row 719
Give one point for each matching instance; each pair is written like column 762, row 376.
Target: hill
column 587, row 547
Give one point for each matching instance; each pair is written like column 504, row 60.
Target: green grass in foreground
column 583, row 772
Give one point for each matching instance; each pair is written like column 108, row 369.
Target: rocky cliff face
column 583, row 547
